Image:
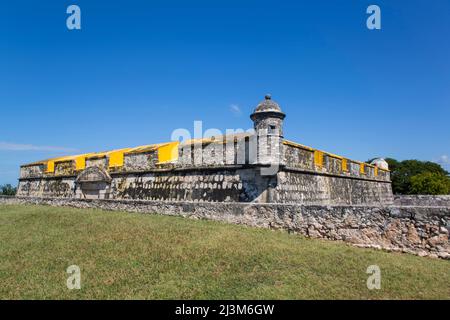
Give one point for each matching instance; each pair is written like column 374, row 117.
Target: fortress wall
column 210, row 171
column 311, row 160
column 312, row 188
column 140, row 161
column 299, row 158
column 208, row 184
column 418, row 230
column 56, row 187
column 422, row 200
column 235, row 184
column 315, row 177
column 218, row 185
column 31, row 171
column 214, row 153
column 97, row 162
column 64, row 168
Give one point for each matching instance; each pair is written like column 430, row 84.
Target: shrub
column 430, row 183
column 7, row 190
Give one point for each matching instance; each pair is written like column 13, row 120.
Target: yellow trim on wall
column 116, row 157
column 50, row 167
column 318, row 158
column 97, row 155
column 51, row 162
column 142, row 149
column 168, row 152
column 297, row 145
column 344, row 165
column 318, row 155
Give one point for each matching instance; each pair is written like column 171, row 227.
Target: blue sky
column 137, row 70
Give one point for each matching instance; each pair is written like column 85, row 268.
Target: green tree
column 430, row 183
column 402, row 172
column 7, row 190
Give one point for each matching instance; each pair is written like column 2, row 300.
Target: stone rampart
column 418, row 230
column 422, row 200
column 257, row 166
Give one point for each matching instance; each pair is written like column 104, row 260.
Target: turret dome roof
column 268, row 106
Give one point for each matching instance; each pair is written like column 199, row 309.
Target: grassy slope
column 125, row 255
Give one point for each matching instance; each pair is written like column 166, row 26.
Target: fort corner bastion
column 256, row 178
column 258, row 167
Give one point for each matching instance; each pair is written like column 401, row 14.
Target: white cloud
column 6, row 146
column 234, row 108
column 444, row 160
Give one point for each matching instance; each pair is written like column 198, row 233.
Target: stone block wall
column 97, row 162
column 55, row 187
column 224, row 185
column 230, row 184
column 238, row 184
column 222, row 151
column 140, row 161
column 311, row 188
column 422, row 200
column 218, row 169
column 421, row 230
column 304, row 158
column 32, row 171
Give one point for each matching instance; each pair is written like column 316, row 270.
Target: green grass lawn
column 136, row 256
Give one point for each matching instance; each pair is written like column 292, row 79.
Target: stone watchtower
column 268, row 124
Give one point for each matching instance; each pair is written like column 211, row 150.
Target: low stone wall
column 422, row 200
column 418, row 230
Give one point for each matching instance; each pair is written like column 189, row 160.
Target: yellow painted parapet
column 142, row 149
column 318, row 158
column 50, row 167
column 297, row 145
column 80, row 163
column 222, row 139
column 50, row 164
column 344, row 165
column 168, row 152
column 116, row 158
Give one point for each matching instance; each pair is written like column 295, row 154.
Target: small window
column 272, row 129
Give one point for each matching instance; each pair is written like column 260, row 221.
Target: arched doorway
column 93, row 183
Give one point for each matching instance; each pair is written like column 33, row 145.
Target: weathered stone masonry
column 418, row 230
column 256, row 178
column 232, row 168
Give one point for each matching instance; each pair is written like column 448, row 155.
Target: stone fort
column 259, row 167
column 255, row 178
